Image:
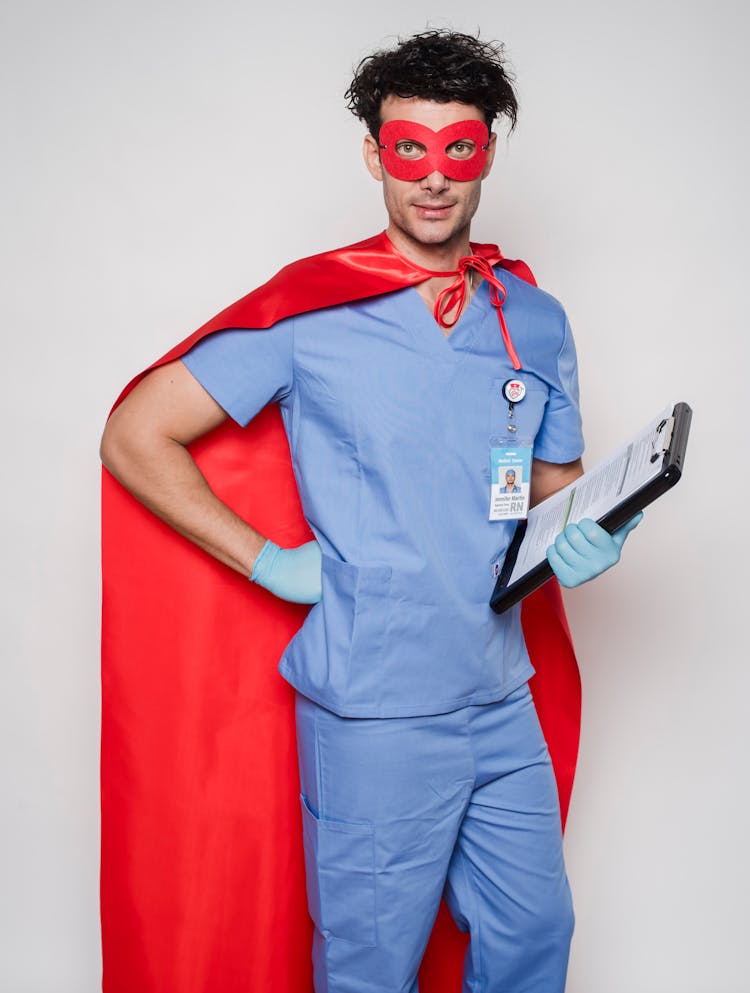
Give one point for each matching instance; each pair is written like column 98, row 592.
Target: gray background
column 162, row 158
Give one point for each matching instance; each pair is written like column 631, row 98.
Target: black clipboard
column 505, row 596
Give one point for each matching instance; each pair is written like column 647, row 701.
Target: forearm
column 549, row 477
column 161, row 473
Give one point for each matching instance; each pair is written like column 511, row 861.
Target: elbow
column 113, row 448
column 106, row 446
column 132, row 450
column 110, row 450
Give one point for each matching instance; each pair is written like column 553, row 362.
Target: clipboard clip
column 662, row 438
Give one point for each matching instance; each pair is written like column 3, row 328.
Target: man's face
column 434, row 209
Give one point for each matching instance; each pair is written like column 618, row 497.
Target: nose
column 435, row 182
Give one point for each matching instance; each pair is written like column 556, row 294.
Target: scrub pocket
column 340, row 875
column 356, row 608
column 335, row 657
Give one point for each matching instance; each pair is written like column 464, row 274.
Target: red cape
column 202, row 874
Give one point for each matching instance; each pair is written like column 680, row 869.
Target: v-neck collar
column 463, row 331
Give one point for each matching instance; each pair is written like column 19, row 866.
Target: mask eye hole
column 460, row 150
column 410, row 150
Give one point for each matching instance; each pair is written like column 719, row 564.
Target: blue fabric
column 390, row 426
column 585, row 550
column 397, row 811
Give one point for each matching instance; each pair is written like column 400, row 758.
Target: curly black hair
column 438, row 65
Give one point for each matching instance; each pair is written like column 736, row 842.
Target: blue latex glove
column 291, row 573
column 585, row 550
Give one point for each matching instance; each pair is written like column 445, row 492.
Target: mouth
column 434, row 210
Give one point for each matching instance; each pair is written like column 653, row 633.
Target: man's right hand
column 290, row 573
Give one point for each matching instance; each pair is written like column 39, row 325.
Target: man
column 510, row 482
column 423, row 768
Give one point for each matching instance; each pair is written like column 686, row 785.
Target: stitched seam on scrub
column 318, row 765
column 474, row 924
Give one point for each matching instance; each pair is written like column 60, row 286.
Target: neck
column 441, row 257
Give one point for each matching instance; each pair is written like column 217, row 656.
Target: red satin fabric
column 202, row 878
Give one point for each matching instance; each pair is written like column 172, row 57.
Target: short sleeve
column 560, row 437
column 243, row 369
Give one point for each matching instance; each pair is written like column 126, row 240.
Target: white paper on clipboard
column 596, row 491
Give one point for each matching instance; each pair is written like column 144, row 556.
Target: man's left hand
column 584, row 550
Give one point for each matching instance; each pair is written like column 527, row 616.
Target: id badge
column 510, row 485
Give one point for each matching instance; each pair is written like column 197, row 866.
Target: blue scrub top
column 390, row 426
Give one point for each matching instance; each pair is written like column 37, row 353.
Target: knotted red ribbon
column 451, row 300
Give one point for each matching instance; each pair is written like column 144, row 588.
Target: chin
column 433, row 232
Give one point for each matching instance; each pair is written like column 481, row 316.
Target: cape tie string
column 450, row 301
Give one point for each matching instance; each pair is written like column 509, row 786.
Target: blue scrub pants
column 400, row 811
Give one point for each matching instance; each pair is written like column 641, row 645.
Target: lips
column 433, row 209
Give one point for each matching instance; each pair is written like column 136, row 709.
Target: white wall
column 149, row 180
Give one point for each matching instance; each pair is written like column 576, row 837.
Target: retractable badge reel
column 510, row 485
column 514, row 391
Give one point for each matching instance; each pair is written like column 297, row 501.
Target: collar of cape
column 365, row 269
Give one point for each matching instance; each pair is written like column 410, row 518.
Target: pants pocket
column 340, row 875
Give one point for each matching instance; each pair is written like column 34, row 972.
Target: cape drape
column 202, row 873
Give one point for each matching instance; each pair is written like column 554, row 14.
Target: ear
column 371, row 155
column 492, row 145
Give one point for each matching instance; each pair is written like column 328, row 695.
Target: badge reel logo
column 514, row 391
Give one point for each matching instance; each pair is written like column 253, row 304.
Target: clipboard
column 670, row 444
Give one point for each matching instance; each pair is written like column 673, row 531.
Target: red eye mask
column 433, row 153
